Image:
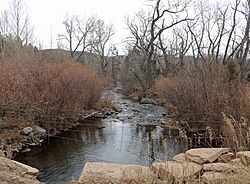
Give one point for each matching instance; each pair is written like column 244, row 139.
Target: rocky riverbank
column 204, row 165
column 12, row 172
column 16, row 136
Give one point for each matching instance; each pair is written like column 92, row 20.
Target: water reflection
column 64, row 157
column 132, row 137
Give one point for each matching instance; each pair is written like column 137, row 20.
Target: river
column 133, row 136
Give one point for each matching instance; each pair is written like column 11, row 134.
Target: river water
column 133, row 136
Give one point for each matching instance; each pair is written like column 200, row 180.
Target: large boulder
column 30, row 170
column 203, row 155
column 174, row 171
column 97, row 172
column 12, row 172
column 219, row 167
column 244, row 156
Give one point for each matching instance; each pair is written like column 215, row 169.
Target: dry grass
column 209, row 92
column 205, row 89
column 241, row 177
column 236, row 134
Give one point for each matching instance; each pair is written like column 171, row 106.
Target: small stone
column 26, row 130
column 225, row 158
column 146, row 101
column 39, row 133
column 26, row 150
column 244, row 156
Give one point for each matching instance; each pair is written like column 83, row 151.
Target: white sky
column 45, row 14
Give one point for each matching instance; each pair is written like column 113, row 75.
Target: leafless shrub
column 204, row 91
column 49, row 87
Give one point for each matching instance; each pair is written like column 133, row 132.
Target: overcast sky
column 45, row 14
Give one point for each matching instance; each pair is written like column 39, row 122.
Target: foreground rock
column 244, row 156
column 203, row 155
column 214, row 177
column 180, row 158
column 12, row 172
column 203, row 165
column 115, row 173
column 219, row 167
column 225, row 158
column 175, row 171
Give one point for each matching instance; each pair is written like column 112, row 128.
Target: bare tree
column 147, row 30
column 19, row 23
column 243, row 47
column 100, row 43
column 77, row 34
column 4, row 31
column 4, row 23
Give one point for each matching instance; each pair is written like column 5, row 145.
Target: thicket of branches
column 195, row 56
column 172, row 34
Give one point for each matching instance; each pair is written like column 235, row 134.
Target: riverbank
column 20, row 137
column 204, row 165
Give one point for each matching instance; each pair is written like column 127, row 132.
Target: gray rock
column 39, row 133
column 26, row 150
column 146, row 101
column 26, row 130
column 38, row 129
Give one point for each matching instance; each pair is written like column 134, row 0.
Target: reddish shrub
column 58, row 87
